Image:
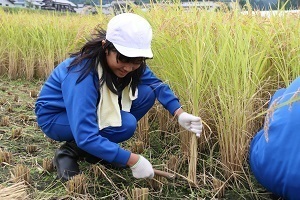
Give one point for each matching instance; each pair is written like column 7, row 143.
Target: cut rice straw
column 15, row 191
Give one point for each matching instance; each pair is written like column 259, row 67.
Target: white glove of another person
column 142, row 169
column 191, row 123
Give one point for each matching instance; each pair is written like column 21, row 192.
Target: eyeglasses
column 136, row 60
column 133, row 60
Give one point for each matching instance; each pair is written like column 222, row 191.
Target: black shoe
column 95, row 160
column 65, row 161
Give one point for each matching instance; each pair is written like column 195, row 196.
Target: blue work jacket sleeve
column 162, row 91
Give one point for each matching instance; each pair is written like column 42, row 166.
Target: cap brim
column 131, row 52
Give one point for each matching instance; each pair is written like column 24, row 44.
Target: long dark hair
column 94, row 53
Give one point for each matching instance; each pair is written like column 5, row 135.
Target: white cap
column 131, row 34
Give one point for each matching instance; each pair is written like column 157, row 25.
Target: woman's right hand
column 142, row 167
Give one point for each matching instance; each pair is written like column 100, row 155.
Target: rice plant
column 223, row 66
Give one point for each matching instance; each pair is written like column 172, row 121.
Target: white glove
column 191, row 123
column 142, row 169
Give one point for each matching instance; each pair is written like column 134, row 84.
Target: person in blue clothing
column 275, row 149
column 94, row 99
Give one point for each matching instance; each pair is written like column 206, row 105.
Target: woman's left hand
column 190, row 123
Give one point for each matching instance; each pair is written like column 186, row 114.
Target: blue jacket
column 276, row 162
column 60, row 93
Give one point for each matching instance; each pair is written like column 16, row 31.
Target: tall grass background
column 33, row 43
column 223, row 66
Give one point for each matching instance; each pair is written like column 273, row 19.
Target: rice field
column 224, row 66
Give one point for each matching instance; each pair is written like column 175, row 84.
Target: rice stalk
column 32, row 44
column 182, row 59
column 172, row 163
column 5, row 157
column 48, row 164
column 140, row 193
column 143, row 129
column 137, row 147
column 77, row 185
column 16, row 132
column 16, row 191
column 236, row 87
column 4, row 121
column 21, row 173
column 31, row 148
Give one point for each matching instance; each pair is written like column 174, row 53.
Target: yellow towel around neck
column 108, row 111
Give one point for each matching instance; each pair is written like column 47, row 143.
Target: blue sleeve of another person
column 275, row 149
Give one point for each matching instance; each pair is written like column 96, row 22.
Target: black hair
column 94, row 52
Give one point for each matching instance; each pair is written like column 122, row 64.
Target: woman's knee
column 129, row 124
column 144, row 102
column 46, row 130
column 122, row 133
column 57, row 132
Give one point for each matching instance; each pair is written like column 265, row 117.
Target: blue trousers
column 59, row 128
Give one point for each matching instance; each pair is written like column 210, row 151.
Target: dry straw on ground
column 16, row 191
column 97, row 171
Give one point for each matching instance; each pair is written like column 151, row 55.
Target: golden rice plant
column 234, row 97
column 218, row 64
column 183, row 60
column 32, row 44
column 285, row 46
column 143, row 129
